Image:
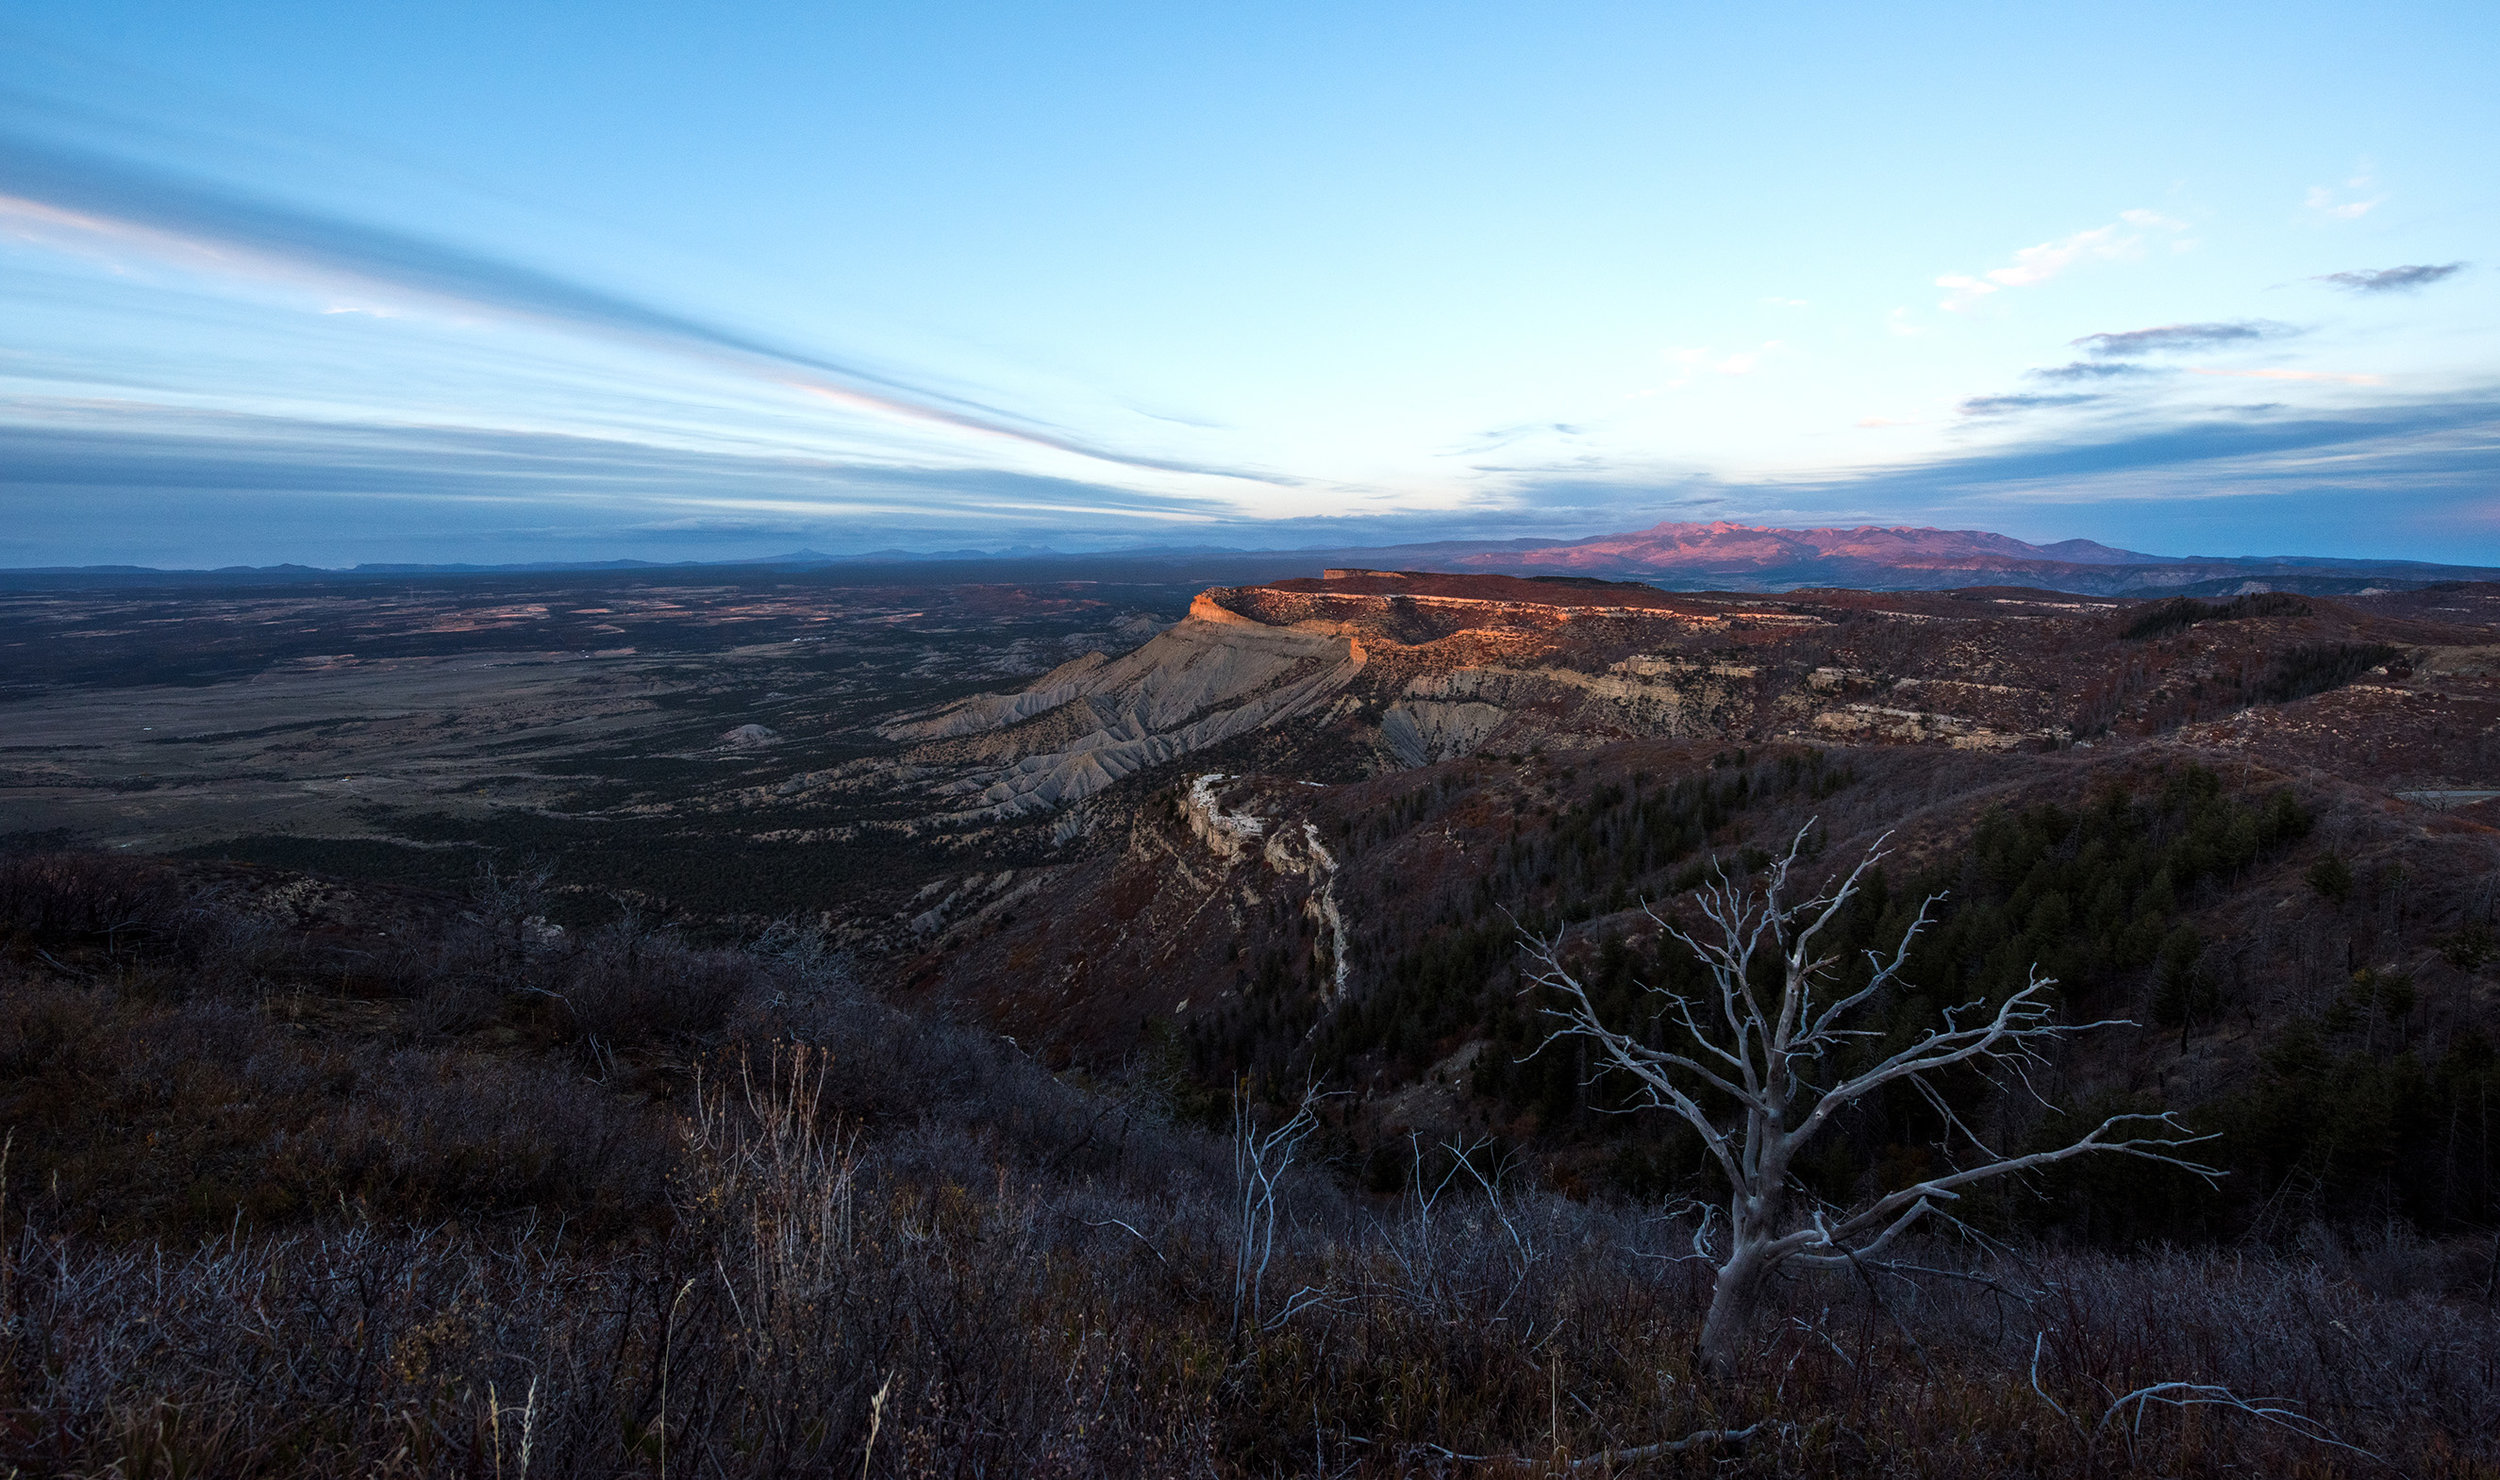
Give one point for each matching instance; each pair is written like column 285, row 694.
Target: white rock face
column 1421, row 731
column 1323, row 904
column 1201, row 681
column 985, row 712
column 1226, row 834
column 1450, row 714
column 1230, row 836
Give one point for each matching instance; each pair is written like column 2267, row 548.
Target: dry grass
column 841, row 1241
column 1019, row 1323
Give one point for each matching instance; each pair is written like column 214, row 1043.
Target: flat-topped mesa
column 1414, row 607
column 1553, row 591
column 1207, row 607
column 1376, row 670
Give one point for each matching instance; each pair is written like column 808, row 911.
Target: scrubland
column 453, row 1192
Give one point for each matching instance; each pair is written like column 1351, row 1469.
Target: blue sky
column 494, row 282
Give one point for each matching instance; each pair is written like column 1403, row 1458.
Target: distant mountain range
column 1674, row 556
column 1744, row 557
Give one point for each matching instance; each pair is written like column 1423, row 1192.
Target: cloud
column 1493, row 439
column 2330, row 375
column 2118, row 241
column 719, row 524
column 2409, row 279
column 53, row 193
column 1707, row 360
column 79, row 460
column 2234, row 480
column 207, row 489
column 1786, row 302
column 2090, row 370
column 2328, row 200
column 2009, row 404
column 2167, row 337
column 2452, row 439
column 2237, row 482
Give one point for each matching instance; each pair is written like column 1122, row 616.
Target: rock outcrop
column 1216, row 675
column 1386, row 670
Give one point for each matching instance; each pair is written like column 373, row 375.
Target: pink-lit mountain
column 1901, row 557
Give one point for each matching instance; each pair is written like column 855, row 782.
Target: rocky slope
column 1388, row 670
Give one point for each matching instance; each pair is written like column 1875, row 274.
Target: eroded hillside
column 2234, row 823
column 1398, row 669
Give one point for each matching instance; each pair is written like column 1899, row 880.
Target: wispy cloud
column 2347, row 202
column 73, row 454
column 2408, row 279
column 51, row 193
column 2341, row 377
column 2007, row 405
column 2173, row 337
column 1493, row 439
column 2091, row 370
column 2428, row 463
column 1705, row 360
column 2120, row 240
column 2442, row 443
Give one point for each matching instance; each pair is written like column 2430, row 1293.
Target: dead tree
column 1755, row 1065
column 1260, row 1161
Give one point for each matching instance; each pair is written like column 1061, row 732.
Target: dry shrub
column 872, row 1244
column 628, row 987
column 1042, row 1325
column 151, row 1118
column 56, row 895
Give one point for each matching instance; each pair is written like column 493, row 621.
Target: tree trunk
column 1732, row 1302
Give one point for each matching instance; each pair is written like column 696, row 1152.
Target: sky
column 490, row 282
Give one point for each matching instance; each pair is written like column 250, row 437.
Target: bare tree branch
column 1752, row 1091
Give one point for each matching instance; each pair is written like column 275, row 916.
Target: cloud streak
column 2408, row 279
column 47, row 190
column 2335, row 376
column 2426, row 468
column 2447, row 440
column 209, row 459
column 155, row 487
column 2007, row 405
column 2120, row 240
column 2091, row 370
column 2166, row 338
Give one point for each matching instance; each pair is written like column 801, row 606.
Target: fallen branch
column 2207, row 1395
column 1670, row 1446
column 1116, row 1223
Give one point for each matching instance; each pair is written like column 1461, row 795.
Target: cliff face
column 1409, row 669
column 1089, row 723
column 1408, row 675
